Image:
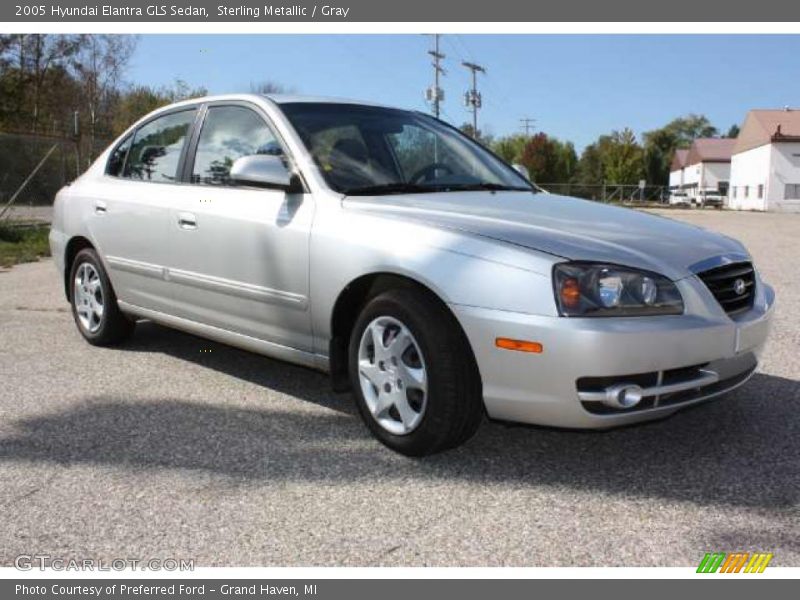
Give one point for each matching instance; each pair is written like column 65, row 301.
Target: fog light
column 623, row 395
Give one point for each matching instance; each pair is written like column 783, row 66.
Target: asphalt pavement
column 175, row 447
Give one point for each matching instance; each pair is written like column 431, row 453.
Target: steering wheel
column 425, row 173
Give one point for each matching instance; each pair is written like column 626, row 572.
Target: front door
column 239, row 255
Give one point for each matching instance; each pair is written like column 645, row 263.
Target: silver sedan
column 421, row 271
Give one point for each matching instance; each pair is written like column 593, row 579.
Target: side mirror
column 264, row 171
column 522, row 170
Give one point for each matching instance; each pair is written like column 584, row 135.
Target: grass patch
column 23, row 244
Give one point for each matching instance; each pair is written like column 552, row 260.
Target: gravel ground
column 172, row 446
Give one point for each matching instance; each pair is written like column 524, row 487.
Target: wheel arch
column 348, row 305
column 74, row 245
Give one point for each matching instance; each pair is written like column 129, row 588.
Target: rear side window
column 117, row 159
column 157, row 146
column 230, row 132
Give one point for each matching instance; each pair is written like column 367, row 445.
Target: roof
column 296, row 98
column 765, row 126
column 679, row 159
column 710, row 150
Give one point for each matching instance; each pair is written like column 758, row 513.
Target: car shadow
column 742, row 450
column 301, row 382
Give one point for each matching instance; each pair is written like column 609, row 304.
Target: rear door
column 131, row 207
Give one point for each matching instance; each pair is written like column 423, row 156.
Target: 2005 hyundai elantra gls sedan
column 421, row 271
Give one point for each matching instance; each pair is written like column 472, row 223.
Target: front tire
column 413, row 373
column 94, row 303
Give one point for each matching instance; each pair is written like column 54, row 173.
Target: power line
column 460, row 41
column 500, row 95
column 472, row 98
column 434, row 93
column 526, row 124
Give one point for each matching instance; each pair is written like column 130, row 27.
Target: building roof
column 767, row 126
column 710, row 150
column 679, row 159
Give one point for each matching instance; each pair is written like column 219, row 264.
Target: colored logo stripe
column 758, row 563
column 733, row 563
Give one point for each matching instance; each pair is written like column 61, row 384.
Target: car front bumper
column 706, row 350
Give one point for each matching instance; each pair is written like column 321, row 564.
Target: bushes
column 23, row 244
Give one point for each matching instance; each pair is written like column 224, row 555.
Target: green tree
column 510, row 148
column 689, row 128
column 137, row 101
column 590, row 165
column 549, row 160
column 482, row 136
column 99, row 64
column 567, row 161
column 733, row 131
column 33, row 91
column 623, row 158
column 268, row 87
column 660, row 144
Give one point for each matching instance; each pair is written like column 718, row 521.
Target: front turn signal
column 518, row 345
column 570, row 293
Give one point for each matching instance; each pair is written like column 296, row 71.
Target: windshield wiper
column 391, row 188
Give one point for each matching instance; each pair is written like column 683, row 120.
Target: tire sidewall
column 426, row 433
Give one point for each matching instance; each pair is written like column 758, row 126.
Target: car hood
column 562, row 226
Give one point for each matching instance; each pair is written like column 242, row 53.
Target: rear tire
column 94, row 303
column 426, row 397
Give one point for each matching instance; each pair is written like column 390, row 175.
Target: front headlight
column 601, row 290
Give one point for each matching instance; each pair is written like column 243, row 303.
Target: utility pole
column 435, row 94
column 527, row 125
column 472, row 98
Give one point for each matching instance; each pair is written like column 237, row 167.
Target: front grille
column 714, row 388
column 722, row 284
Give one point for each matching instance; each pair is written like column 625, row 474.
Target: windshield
column 375, row 150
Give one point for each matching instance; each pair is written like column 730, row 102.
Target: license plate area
column 749, row 335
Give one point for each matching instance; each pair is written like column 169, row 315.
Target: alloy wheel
column 88, row 297
column 392, row 375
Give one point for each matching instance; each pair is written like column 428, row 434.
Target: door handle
column 187, row 221
column 100, row 207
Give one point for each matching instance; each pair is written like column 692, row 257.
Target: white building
column 765, row 167
column 708, row 166
column 676, row 169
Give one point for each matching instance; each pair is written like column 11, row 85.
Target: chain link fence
column 650, row 195
column 34, row 167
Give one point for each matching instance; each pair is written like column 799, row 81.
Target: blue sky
column 575, row 86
